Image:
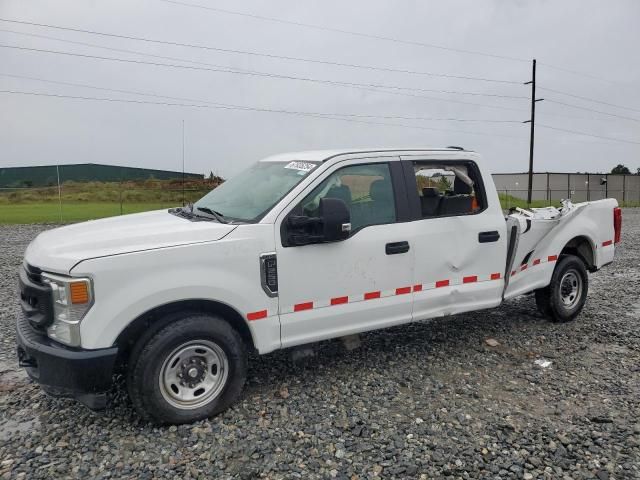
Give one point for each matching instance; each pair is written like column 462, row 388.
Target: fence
column 550, row 188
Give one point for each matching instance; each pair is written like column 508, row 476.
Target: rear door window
column 448, row 189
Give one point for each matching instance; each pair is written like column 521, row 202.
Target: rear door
column 361, row 283
column 459, row 240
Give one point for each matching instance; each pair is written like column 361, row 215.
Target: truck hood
column 58, row 250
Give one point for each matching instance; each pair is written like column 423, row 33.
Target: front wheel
column 563, row 299
column 191, row 369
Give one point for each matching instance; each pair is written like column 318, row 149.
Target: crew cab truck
column 298, row 248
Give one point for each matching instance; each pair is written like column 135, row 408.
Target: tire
column 563, row 299
column 192, row 368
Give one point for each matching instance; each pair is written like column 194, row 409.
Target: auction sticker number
column 301, row 166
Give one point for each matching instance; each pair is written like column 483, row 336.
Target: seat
column 459, row 202
column 461, row 188
column 430, row 201
column 342, row 192
column 382, row 209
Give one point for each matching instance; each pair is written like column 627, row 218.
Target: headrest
column 430, row 192
column 461, row 188
column 380, row 190
column 343, row 192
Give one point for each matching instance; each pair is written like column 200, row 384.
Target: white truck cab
column 298, row 248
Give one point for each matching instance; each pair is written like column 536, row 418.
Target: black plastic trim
column 395, row 248
column 488, row 237
column 35, row 298
column 412, row 190
column 403, row 213
column 64, row 371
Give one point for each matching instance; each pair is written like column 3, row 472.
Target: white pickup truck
column 298, row 248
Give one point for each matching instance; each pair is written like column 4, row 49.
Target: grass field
column 71, row 212
column 92, row 200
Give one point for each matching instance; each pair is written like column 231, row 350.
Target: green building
column 47, row 175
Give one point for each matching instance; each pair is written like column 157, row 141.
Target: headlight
column 72, row 299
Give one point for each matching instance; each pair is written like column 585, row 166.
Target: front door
column 361, row 283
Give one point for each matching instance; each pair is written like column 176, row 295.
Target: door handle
column 487, row 237
column 396, row 247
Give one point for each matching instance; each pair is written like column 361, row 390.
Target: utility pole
column 532, row 121
column 183, row 204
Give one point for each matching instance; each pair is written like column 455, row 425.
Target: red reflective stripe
column 403, row 290
column 303, row 306
column 495, row 276
column 442, row 283
column 523, row 267
column 607, row 243
column 513, row 273
column 257, row 315
column 470, row 279
column 371, row 295
column 417, row 288
column 536, row 261
column 552, row 258
column 339, row 300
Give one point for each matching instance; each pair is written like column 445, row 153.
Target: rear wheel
column 563, row 299
column 191, row 369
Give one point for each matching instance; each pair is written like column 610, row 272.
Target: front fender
column 226, row 271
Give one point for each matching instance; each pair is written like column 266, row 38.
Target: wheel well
column 155, row 319
column 581, row 248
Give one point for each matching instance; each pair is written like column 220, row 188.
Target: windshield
column 252, row 193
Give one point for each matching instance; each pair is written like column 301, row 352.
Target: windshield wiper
column 217, row 215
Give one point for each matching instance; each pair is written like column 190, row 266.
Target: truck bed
column 538, row 236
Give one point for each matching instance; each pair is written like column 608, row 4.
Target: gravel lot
column 425, row 400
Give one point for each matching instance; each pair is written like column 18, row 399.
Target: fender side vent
column 269, row 274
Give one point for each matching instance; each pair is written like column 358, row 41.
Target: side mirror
column 336, row 219
column 332, row 224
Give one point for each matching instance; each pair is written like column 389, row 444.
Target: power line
column 348, row 32
column 379, row 37
column 592, row 110
column 583, row 74
column 137, row 52
column 588, row 99
column 147, row 94
column 259, row 54
column 587, row 134
column 392, row 39
column 368, row 87
column 255, row 109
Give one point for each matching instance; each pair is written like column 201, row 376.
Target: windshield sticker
column 302, row 167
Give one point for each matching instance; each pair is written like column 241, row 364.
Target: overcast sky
column 598, row 38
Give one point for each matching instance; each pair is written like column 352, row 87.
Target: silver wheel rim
column 570, row 289
column 193, row 374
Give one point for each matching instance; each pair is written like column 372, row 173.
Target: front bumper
column 85, row 375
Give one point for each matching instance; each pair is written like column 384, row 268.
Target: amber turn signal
column 79, row 292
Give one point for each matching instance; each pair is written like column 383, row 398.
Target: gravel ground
column 425, row 400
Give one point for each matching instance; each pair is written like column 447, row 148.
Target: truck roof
column 322, row 155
